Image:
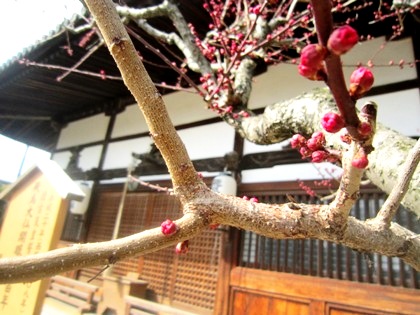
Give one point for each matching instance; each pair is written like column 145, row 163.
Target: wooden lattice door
column 187, row 281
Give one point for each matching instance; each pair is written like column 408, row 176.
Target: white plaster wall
column 214, row 140
column 89, row 157
column 83, row 131
column 62, row 158
column 183, row 107
column 119, row 153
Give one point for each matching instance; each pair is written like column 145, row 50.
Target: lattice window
column 326, row 259
column 180, row 280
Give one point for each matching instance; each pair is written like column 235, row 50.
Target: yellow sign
column 33, row 223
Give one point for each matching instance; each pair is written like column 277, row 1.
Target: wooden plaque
column 36, row 210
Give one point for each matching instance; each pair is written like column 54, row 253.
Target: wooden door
column 261, row 292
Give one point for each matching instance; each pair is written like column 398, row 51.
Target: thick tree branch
column 391, row 205
column 286, row 221
column 34, row 267
column 303, row 115
column 149, row 100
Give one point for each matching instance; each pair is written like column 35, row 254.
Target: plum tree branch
column 34, row 267
column 283, row 221
column 390, row 207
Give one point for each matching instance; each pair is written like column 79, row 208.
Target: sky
column 22, row 24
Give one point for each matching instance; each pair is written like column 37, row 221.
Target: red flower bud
column 361, row 81
column 332, row 122
column 305, row 152
column 253, row 199
column 311, row 73
column 313, row 55
column 319, row 156
column 342, row 40
column 182, row 247
column 360, row 161
column 297, row 141
column 168, row 227
column 364, row 128
column 317, row 141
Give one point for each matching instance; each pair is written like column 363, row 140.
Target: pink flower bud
column 297, row 141
column 364, row 128
column 313, row 55
column 317, row 141
column 360, row 161
column 342, row 40
column 305, row 152
column 245, row 198
column 182, row 247
column 311, row 73
column 168, row 227
column 332, row 122
column 253, row 199
column 361, row 81
column 319, row 156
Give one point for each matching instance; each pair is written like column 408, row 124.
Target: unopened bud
column 168, row 227
column 332, row 122
column 342, row 40
column 319, row 156
column 361, row 81
column 297, row 141
column 311, row 73
column 317, row 141
column 364, row 128
column 360, row 161
column 313, row 55
column 182, row 247
column 305, row 152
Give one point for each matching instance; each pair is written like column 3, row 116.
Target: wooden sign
column 35, row 214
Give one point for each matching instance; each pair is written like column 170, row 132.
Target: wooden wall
column 260, row 292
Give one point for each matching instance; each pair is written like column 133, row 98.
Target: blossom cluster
column 313, row 148
column 340, row 42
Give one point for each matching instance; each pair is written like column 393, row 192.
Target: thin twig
column 55, row 67
column 154, row 187
column 166, row 60
column 81, row 60
column 392, row 203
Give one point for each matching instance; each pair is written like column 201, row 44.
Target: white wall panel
column 89, row 157
column 208, row 141
column 279, row 83
column 183, row 108
column 83, row 131
column 119, row 153
column 129, row 122
column 62, row 158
